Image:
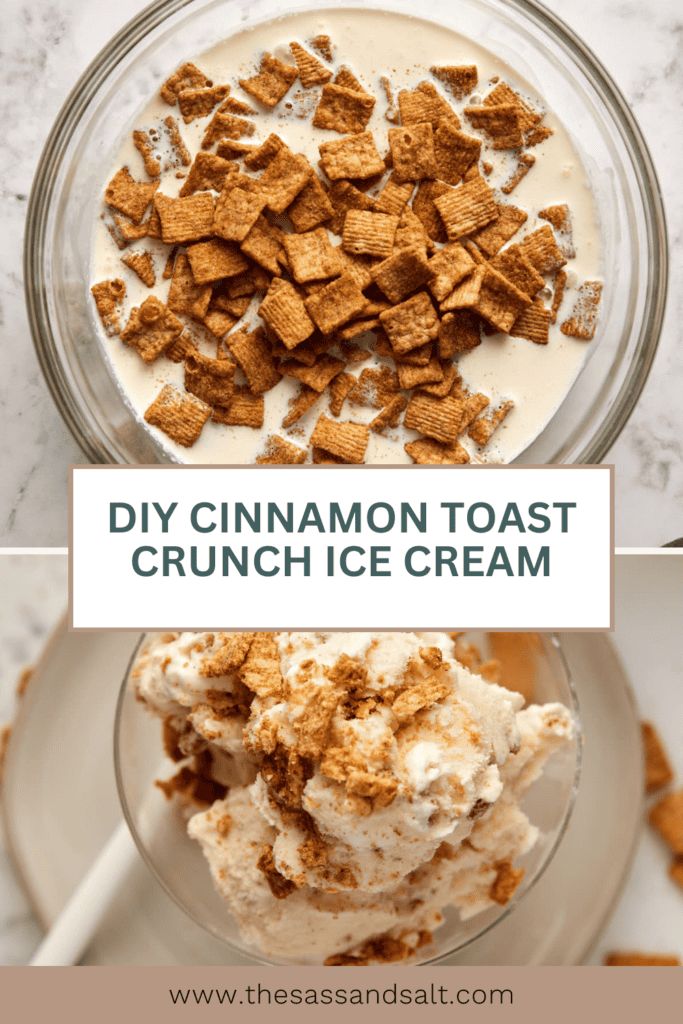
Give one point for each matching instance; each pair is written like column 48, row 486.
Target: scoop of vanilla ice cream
column 387, row 788
column 388, row 779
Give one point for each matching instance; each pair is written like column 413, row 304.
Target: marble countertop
column 649, row 915
column 48, row 45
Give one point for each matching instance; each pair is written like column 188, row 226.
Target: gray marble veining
column 46, row 45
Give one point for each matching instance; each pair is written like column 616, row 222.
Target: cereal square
column 542, row 251
column 312, row 256
column 375, row 388
column 561, row 219
column 348, row 80
column 439, row 418
column 493, row 237
column 368, row 233
column 413, row 376
column 218, row 321
column 402, row 273
column 274, row 79
column 343, row 110
column 208, row 171
column 410, row 234
column 317, row 376
column 189, row 219
column 299, row 404
column 503, row 94
column 236, row 213
column 481, row 431
column 425, row 105
column 389, row 415
column 311, row 70
column 454, row 151
column 263, row 245
column 559, row 285
column 188, row 76
column 412, row 323
column 666, row 817
column 211, row 380
column 142, row 264
column 279, row 452
column 339, row 388
column 447, row 269
column 200, row 102
column 459, row 331
column 394, row 196
column 252, row 353
column 466, row 208
column 344, row 196
column 180, row 415
column 355, row 157
column 224, row 125
column 500, row 122
column 185, row 295
column 640, row 960
column 128, row 196
column 311, row 207
column 443, row 387
column 108, row 296
column 513, row 264
column 215, row 259
column 427, row 452
column 584, row 316
column 533, row 323
column 466, row 293
column 412, row 151
column 426, row 211
column 525, row 161
column 658, row 771
column 151, row 328
column 360, row 267
column 244, row 410
column 499, row 301
column 336, row 304
column 346, row 440
column 283, row 179
column 461, row 79
column 285, row 314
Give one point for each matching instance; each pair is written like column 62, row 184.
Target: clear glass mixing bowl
column 78, row 157
column 158, row 825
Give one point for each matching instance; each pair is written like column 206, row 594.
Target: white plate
column 60, row 805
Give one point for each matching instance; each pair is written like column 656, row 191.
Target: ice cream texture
column 372, row 780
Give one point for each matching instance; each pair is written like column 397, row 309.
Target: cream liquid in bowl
column 372, row 44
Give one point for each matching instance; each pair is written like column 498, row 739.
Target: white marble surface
column 650, row 912
column 46, row 47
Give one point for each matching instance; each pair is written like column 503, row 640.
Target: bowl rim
column 125, row 693
column 133, row 32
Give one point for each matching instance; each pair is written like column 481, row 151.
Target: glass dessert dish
column 530, row 662
column 101, row 109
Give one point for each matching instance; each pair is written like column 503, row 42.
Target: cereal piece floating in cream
column 347, row 440
column 129, row 196
column 108, row 296
column 311, row 70
column 211, row 380
column 461, row 79
column 584, row 317
column 151, row 328
column 181, row 416
column 272, row 82
column 279, row 452
column 188, row 76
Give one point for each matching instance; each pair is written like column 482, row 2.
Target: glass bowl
column 78, row 157
column 158, row 825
